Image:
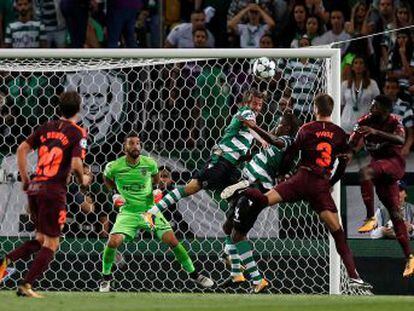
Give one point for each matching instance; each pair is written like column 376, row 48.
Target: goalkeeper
column 133, row 176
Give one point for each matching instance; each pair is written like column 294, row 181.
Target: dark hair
column 203, row 29
column 198, row 11
column 366, row 81
column 320, row 24
column 325, row 104
column 384, row 102
column 293, row 121
column 396, row 62
column 69, row 104
column 131, row 134
column 253, row 92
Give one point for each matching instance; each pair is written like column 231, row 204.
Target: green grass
column 63, row 301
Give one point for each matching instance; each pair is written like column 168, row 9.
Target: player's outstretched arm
column 340, row 170
column 395, row 138
column 269, row 138
column 22, row 151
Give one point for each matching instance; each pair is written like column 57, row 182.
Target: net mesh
column 180, row 108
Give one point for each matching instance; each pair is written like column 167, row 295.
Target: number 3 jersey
column 320, row 142
column 56, row 142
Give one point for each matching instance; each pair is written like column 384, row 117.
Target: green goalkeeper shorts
column 129, row 223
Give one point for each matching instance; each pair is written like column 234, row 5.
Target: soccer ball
column 264, row 68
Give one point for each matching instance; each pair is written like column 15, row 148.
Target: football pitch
column 63, row 301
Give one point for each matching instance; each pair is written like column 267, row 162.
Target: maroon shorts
column 48, row 212
column 307, row 186
column 388, row 170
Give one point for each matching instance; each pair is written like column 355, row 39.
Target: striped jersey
column 47, row 11
column 405, row 112
column 237, row 138
column 264, row 166
column 304, row 79
column 25, row 35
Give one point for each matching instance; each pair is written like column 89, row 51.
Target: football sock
column 367, row 191
column 24, row 251
column 169, row 199
column 182, row 257
column 40, row 264
column 231, row 251
column 402, row 236
column 345, row 252
column 246, row 256
column 108, row 259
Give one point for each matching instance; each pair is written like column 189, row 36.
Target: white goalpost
column 180, row 101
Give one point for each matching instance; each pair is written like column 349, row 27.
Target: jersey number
column 326, row 154
column 49, row 161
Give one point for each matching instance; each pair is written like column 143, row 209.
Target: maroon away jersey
column 376, row 146
column 57, row 142
column 320, row 143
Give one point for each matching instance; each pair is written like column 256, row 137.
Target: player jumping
column 383, row 135
column 321, row 143
column 133, row 176
column 61, row 148
column 261, row 172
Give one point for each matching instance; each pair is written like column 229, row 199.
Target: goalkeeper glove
column 118, row 200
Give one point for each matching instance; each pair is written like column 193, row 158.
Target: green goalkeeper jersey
column 237, row 138
column 134, row 182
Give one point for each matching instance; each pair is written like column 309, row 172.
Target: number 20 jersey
column 320, row 142
column 56, row 142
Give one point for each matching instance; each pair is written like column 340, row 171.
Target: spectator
column 302, row 77
column 337, row 33
column 218, row 21
column 401, row 59
column 120, row 18
column 172, row 214
column 7, row 15
column 316, row 8
column 200, row 37
column 358, row 15
column 25, row 32
column 362, row 48
column 251, row 32
column 266, row 41
column 181, row 36
column 357, row 94
column 49, row 14
column 237, row 5
column 402, row 109
column 296, row 26
column 385, row 227
column 313, row 31
column 76, row 14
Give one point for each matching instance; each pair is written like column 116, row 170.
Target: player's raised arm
column 77, row 168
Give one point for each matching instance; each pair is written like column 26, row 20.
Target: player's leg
column 366, row 175
column 124, row 229
column 232, row 259
column 40, row 264
column 175, row 195
column 388, row 195
column 167, row 236
column 108, row 258
column 245, row 216
column 28, row 248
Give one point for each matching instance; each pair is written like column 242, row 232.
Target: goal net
column 180, row 102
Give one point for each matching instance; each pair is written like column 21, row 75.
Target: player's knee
column 170, row 239
column 115, row 240
column 237, row 236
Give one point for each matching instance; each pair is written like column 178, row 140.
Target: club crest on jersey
column 83, row 143
column 144, row 171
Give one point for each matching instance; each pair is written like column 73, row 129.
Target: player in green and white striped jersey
column 221, row 169
column 261, row 171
